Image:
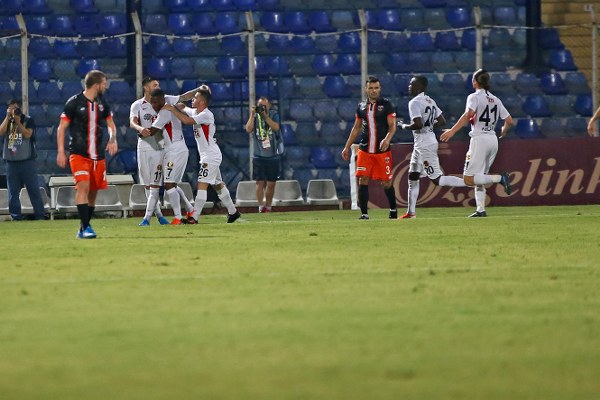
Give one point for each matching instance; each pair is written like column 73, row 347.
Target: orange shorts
column 86, row 169
column 376, row 166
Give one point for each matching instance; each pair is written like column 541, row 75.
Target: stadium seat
column 396, row 42
column 371, row 17
column 577, row 83
column 453, row 83
column 155, row 23
column 273, row 21
column 245, row 5
column 157, row 68
column 222, row 5
column 302, row 44
column 39, row 47
column 324, row 64
column 61, row 25
column 398, row 63
column 335, row 86
column 420, row 62
column 561, row 106
column 112, row 24
column 326, row 43
column 113, row 47
column 324, row 111
column 203, row 24
column 87, row 48
column 528, row 129
column 412, row 19
column 536, row 106
column 468, row 39
column 36, row 7
column 39, row 24
column 552, row 83
column 322, row 157
column 499, row 38
column 245, row 194
column 310, row 86
column 376, row 42
column 296, row 22
column 347, row 110
column 301, row 111
column 278, row 43
column 83, row 6
column 576, row 126
column 184, row 47
column 119, row 91
column 230, row 67
column 527, row 83
column 320, row 22
column 227, row 22
column 86, row 25
column 447, row 41
column 433, row 3
column 421, row 41
column 349, row 41
column 159, row 46
column 458, row 17
column 48, row 92
column 40, row 69
column 65, row 49
column 176, row 6
column 53, row 111
column 390, row 20
column 86, row 65
column 562, row 60
column 347, row 64
column 443, row 61
column 552, row 128
column 321, row 192
column 502, row 83
column 343, row 20
column 549, row 39
column 436, row 18
column 232, row 45
column 288, row 193
column 505, row 16
column 180, row 24
column 12, row 70
column 584, row 105
column 288, row 135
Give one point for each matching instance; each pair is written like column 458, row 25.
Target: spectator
column 268, row 148
column 19, row 153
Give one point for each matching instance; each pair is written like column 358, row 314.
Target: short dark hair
column 372, row 79
column 93, row 77
column 422, row 80
column 205, row 95
column 482, row 77
column 157, row 93
column 147, row 80
column 14, row 101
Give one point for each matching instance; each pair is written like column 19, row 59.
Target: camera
column 17, row 111
column 260, row 109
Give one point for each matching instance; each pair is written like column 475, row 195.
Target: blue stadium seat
column 502, row 83
column 335, row 86
column 390, row 20
column 577, row 83
column 343, row 20
column 87, row 25
column 310, row 86
column 155, row 23
column 288, row 135
column 159, row 46
column 397, row 41
column 7, row 89
column 40, row 47
column 468, row 39
column 412, row 19
column 376, row 42
column 562, row 60
column 584, row 105
column 347, row 109
column 12, row 69
column 180, row 24
column 433, row 3
column 112, row 24
column 499, row 38
column 230, row 67
column 453, row 83
column 53, row 111
column 332, row 135
column 552, row 83
column 157, row 68
column 320, row 22
column 297, row 158
column 203, row 24
column 245, row 5
column 324, row 64
column 39, row 24
column 87, row 48
column 552, row 128
column 176, row 5
column 278, row 43
column 322, row 157
column 64, row 69
column 349, row 41
column 576, row 126
column 267, row 4
column 222, row 5
column 48, row 92
column 61, row 25
column 505, row 16
column 40, row 69
column 41, row 119
column 347, row 64
column 302, row 44
column 83, row 6
column 307, row 133
column 232, row 45
column 296, row 22
column 371, row 17
column 199, row 6
column 184, row 47
column 561, row 106
column 550, row 39
column 120, row 91
column 528, row 129
column 436, row 18
column 421, row 41
column 527, row 83
column 458, row 17
column 398, row 63
column 113, row 47
column 226, row 22
column 354, row 84
column 536, row 106
column 301, row 111
column 420, row 62
column 324, row 111
column 12, row 7
column 221, row 91
column 443, row 61
column 514, row 105
column 326, row 43
column 273, row 21
column 447, row 41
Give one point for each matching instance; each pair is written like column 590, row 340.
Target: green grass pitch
column 305, row 305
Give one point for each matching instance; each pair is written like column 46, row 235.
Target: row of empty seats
column 289, row 193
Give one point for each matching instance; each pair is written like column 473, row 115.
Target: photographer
column 18, row 150
column 263, row 127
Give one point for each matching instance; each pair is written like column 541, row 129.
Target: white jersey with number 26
column 488, row 110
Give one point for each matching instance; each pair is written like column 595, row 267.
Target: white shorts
column 174, row 163
column 481, row 155
column 210, row 173
column 425, row 161
column 150, row 167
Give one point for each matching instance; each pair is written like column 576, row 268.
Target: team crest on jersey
column 426, row 164
column 170, row 164
column 101, row 107
column 159, row 167
column 379, row 108
column 388, row 160
column 148, row 117
column 204, row 165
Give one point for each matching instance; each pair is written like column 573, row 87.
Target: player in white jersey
column 210, row 154
column 424, row 161
column 483, row 110
column 168, row 130
column 149, row 150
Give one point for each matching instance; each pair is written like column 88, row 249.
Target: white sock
column 152, row 203
column 188, row 206
column 226, row 200
column 413, row 195
column 482, row 179
column 175, row 202
column 453, row 181
column 480, row 198
column 201, row 197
